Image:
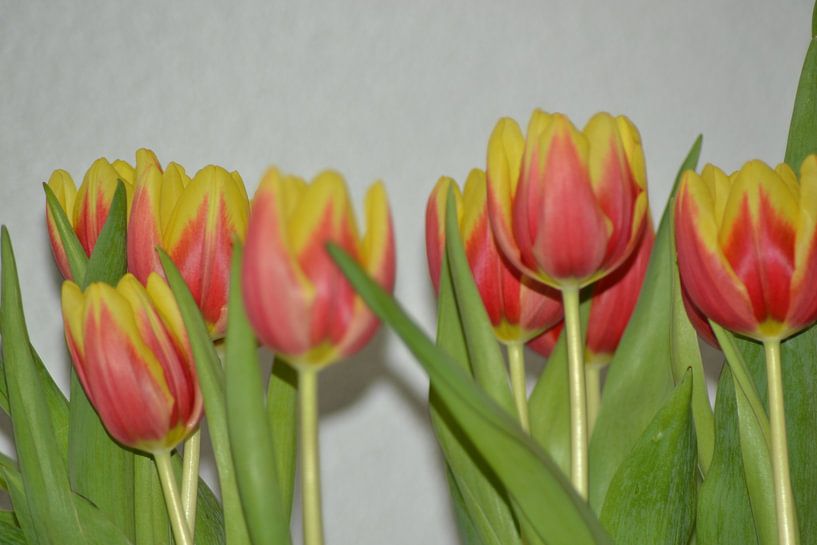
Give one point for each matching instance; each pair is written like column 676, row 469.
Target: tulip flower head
column 194, row 221
column 747, row 247
column 133, row 357
column 87, row 208
column 567, row 207
column 518, row 307
column 297, row 299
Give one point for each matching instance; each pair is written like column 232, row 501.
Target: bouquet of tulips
column 172, row 283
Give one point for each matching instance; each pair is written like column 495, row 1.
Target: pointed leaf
column 43, row 471
column 651, row 498
column 211, row 381
column 640, row 376
column 108, row 261
column 468, row 531
column 543, row 497
column 282, row 399
column 802, row 135
column 247, row 425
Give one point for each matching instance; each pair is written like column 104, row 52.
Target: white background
column 403, row 92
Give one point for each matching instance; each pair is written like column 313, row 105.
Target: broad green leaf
column 550, row 402
column 43, row 471
column 211, row 381
column 21, row 510
column 685, row 353
column 282, row 399
column 799, row 365
column 802, row 135
column 209, row 517
column 724, row 512
column 545, row 500
column 11, row 535
column 74, row 252
column 99, row 468
column 651, row 498
column 485, row 356
column 247, row 425
column 483, row 497
column 468, row 531
column 640, row 375
column 151, row 524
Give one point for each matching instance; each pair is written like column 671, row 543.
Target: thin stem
column 190, row 478
column 173, row 502
column 310, row 456
column 516, row 363
column 593, row 394
column 783, row 498
column 578, row 391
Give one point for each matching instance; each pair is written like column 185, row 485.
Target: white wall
column 405, row 92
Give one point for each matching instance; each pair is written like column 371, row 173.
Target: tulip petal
column 93, row 202
column 144, row 228
column 65, row 191
column 757, row 236
column 435, row 226
column 803, row 294
column 505, row 150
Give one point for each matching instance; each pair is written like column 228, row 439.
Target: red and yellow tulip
column 518, row 308
column 567, row 207
column 747, row 247
column 613, row 301
column 86, row 208
column 194, row 221
column 133, row 357
column 297, row 299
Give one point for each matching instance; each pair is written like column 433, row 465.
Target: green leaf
column 724, row 512
column 802, row 135
column 211, row 381
column 799, row 365
column 487, row 364
column 474, row 487
column 549, row 402
column 282, row 398
column 99, row 468
column 11, row 535
column 209, row 517
column 640, row 375
column 151, row 523
column 545, row 500
column 74, row 252
column 651, row 498
column 247, row 425
column 44, row 475
column 468, row 531
column 20, row 504
column 685, row 353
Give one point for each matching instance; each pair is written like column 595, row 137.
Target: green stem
column 578, row 391
column 181, row 532
column 593, row 394
column 783, row 498
column 516, row 363
column 310, row 456
column 190, row 478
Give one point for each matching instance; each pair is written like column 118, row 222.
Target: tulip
column 546, row 342
column 518, row 308
column 87, row 208
column 299, row 302
column 194, row 221
column 133, row 358
column 747, row 255
column 567, row 208
column 297, row 299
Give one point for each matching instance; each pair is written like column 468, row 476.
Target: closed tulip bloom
column 517, row 307
column 194, row 221
column 747, row 247
column 87, row 208
column 698, row 320
column 297, row 299
column 133, row 357
column 546, row 342
column 567, row 207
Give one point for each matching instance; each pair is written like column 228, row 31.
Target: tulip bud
column 747, row 247
column 194, row 221
column 517, row 307
column 297, row 299
column 87, row 208
column 567, row 207
column 133, row 358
